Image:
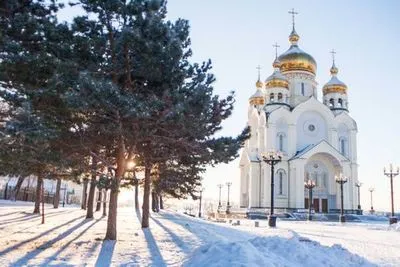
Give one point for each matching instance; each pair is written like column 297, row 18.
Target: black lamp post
column 228, row 204
column 371, row 189
column 272, row 158
column 65, row 192
column 358, row 185
column 310, row 184
column 340, row 179
column 219, row 201
column 201, row 195
column 391, row 174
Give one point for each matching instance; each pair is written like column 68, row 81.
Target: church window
column 343, row 146
column 272, row 97
column 324, row 180
column 340, row 102
column 281, row 142
column 280, row 183
column 331, row 103
column 302, row 89
column 279, row 97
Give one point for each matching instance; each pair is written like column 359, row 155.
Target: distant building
column 70, row 192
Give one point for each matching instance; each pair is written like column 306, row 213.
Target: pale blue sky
column 238, row 35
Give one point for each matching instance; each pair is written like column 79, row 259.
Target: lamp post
column 340, row 179
column 228, row 205
column 201, row 195
column 65, row 192
column 391, row 174
column 358, row 185
column 310, row 184
column 219, row 201
column 272, row 158
column 371, row 189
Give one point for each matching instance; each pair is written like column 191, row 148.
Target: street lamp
column 65, row 192
column 340, row 179
column 371, row 189
column 391, row 174
column 228, row 205
column 310, row 184
column 358, row 185
column 201, row 194
column 219, row 202
column 272, row 158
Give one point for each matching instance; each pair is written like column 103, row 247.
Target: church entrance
column 321, row 168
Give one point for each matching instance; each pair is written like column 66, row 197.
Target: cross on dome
column 276, row 49
column 293, row 14
column 333, row 52
column 258, row 68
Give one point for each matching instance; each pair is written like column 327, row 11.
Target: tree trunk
column 92, row 190
column 137, row 194
column 105, row 203
column 84, row 194
column 5, row 191
column 17, row 188
column 42, row 197
column 146, row 196
column 112, row 212
column 156, row 198
column 161, row 203
column 37, row 198
column 153, row 201
column 98, row 204
column 57, row 196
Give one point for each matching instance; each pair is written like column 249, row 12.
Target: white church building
column 317, row 139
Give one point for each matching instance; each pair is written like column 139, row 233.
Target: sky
column 238, row 36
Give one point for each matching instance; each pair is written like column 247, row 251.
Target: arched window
column 342, row 144
column 302, row 89
column 340, row 102
column 324, row 180
column 271, row 97
column 279, row 97
column 281, row 142
column 281, row 183
column 331, row 103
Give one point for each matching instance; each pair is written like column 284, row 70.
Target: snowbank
column 273, row 251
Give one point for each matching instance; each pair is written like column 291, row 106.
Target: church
column 317, row 139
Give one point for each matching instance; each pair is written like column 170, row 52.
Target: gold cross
column 276, row 49
column 293, row 13
column 333, row 52
column 258, row 68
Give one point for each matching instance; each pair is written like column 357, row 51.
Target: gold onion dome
column 276, row 79
column 258, row 97
column 334, row 85
column 295, row 59
column 259, row 84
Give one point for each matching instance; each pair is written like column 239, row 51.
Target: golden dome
column 257, row 98
column 276, row 80
column 334, row 85
column 259, row 84
column 295, row 59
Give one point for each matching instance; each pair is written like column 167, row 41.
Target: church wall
column 311, row 129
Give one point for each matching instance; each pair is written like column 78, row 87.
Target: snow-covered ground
column 67, row 239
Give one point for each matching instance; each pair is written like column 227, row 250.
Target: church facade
column 317, row 139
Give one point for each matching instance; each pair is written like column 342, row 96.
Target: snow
column 68, row 239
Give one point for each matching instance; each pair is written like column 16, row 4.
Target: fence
column 29, row 195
